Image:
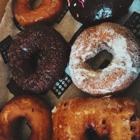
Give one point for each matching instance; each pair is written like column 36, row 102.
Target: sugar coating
column 123, row 69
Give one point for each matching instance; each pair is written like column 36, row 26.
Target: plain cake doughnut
column 96, row 119
column 122, row 70
column 34, row 109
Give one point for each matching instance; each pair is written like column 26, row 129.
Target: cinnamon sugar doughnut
column 96, row 119
column 47, row 11
column 122, row 70
column 34, row 109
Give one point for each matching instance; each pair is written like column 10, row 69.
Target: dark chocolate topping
column 54, row 50
column 90, row 12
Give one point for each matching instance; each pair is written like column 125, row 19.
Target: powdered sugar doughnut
column 122, row 70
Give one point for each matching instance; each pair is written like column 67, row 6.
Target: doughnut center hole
column 33, row 4
column 91, row 134
column 21, row 129
column 100, row 61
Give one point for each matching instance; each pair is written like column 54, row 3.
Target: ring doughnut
column 34, row 109
column 47, row 11
column 91, row 12
column 96, row 119
column 3, row 138
column 123, row 68
column 51, row 45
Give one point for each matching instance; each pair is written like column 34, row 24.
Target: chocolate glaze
column 90, row 12
column 38, row 40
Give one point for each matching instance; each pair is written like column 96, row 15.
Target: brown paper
column 2, row 7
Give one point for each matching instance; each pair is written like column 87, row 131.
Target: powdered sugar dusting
column 122, row 70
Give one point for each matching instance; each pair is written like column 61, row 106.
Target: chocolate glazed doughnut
column 90, row 12
column 38, row 40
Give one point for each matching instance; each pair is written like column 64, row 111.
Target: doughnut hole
column 31, row 65
column 33, row 4
column 100, row 61
column 20, row 129
column 91, row 134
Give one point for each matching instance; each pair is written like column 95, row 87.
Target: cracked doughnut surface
column 96, row 118
column 22, row 53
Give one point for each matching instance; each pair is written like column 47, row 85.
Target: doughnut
column 91, row 12
column 46, row 12
column 96, row 119
column 32, row 108
column 3, row 138
column 121, row 71
column 38, row 41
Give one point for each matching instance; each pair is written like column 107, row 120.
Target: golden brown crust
column 108, row 117
column 3, row 138
column 46, row 12
column 34, row 110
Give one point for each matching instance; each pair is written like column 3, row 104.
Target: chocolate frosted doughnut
column 34, row 41
column 91, row 12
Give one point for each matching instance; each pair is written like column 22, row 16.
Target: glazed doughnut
column 91, row 12
column 34, row 109
column 123, row 68
column 96, row 119
column 51, row 45
column 47, row 11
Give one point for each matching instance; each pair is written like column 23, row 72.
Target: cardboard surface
column 2, row 7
